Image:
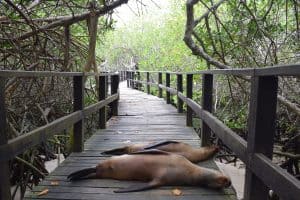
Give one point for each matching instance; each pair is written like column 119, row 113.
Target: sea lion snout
column 223, row 182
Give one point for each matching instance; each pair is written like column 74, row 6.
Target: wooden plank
column 261, row 131
column 4, row 164
column 207, row 102
column 78, row 98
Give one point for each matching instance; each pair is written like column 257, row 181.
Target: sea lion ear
column 155, row 145
column 151, row 152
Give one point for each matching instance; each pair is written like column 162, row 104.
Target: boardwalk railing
column 256, row 152
column 10, row 148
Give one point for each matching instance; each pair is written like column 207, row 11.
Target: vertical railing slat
column 261, row 130
column 148, row 80
column 160, row 91
column 207, row 98
column 168, row 85
column 127, row 78
column 179, row 89
column 102, row 96
column 78, row 97
column 4, row 166
column 114, row 90
column 189, row 94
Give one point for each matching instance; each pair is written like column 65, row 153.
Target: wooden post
column 189, row 94
column 168, row 85
column 148, row 80
column 114, row 90
column 78, row 95
column 160, row 94
column 127, row 78
column 207, row 98
column 179, row 89
column 261, row 130
column 132, row 79
column 139, row 79
column 4, row 165
column 102, row 96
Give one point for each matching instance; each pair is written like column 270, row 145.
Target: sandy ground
column 237, row 175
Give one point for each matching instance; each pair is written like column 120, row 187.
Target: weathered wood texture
column 141, row 118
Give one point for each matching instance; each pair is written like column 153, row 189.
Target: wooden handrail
column 21, row 73
column 262, row 174
column 10, row 148
column 277, row 70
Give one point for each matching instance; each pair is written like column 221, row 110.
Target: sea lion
column 156, row 168
column 194, row 155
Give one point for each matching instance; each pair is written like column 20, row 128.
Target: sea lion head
column 214, row 179
column 220, row 181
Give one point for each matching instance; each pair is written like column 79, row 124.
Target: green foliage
column 252, row 33
column 155, row 44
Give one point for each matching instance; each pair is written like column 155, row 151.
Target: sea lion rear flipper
column 151, row 152
column 82, row 174
column 155, row 145
column 139, row 187
column 117, row 151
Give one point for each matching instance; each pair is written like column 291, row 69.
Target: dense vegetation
column 42, row 35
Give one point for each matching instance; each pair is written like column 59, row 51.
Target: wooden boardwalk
column 141, row 118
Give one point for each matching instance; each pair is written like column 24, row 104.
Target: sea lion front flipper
column 117, row 151
column 153, row 146
column 151, row 152
column 139, row 187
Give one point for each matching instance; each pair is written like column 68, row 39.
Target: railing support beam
column 114, row 90
column 179, row 89
column 78, row 97
column 207, row 98
column 168, row 85
column 160, row 91
column 261, row 130
column 148, row 80
column 139, row 79
column 189, row 94
column 102, row 96
column 4, row 166
column 127, row 78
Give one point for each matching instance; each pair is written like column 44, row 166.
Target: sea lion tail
column 82, row 174
column 117, row 151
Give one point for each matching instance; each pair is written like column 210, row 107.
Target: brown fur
column 157, row 168
column 194, row 155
